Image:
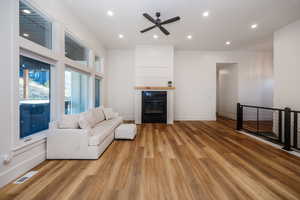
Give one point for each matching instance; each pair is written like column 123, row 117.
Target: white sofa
column 82, row 136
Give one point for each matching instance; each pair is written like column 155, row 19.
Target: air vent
column 25, row 177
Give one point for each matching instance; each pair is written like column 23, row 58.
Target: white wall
column 227, row 89
column 153, row 65
column 25, row 156
column 195, row 80
column 121, row 82
column 287, row 66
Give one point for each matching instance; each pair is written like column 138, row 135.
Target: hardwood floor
column 264, row 126
column 187, row 160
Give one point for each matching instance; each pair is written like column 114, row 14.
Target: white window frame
column 58, row 61
column 43, row 14
column 21, row 142
column 35, row 51
column 100, row 92
column 75, row 69
column 71, row 62
column 101, row 72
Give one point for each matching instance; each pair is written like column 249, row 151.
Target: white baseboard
column 195, row 118
column 22, row 167
column 229, row 115
column 128, row 117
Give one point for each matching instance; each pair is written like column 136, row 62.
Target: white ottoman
column 125, row 131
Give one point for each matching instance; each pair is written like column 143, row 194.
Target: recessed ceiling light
column 228, row 43
column 189, row 37
column 110, row 13
column 205, row 14
column 155, row 36
column 254, row 26
column 26, row 11
column 121, row 36
column 25, row 34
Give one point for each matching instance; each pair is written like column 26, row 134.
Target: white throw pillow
column 109, row 114
column 99, row 115
column 87, row 120
column 69, row 122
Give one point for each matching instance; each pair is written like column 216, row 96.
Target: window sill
column 25, row 144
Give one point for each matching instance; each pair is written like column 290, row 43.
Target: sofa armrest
column 62, row 143
column 53, row 125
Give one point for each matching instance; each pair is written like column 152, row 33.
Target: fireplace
column 154, row 107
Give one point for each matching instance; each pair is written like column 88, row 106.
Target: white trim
column 37, row 49
column 35, row 56
column 75, row 65
column 26, row 142
column 27, row 146
column 295, row 153
column 195, row 118
column 21, row 142
column 22, row 167
column 99, row 75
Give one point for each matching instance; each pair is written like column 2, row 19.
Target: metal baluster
column 257, row 121
column 280, row 126
column 295, row 129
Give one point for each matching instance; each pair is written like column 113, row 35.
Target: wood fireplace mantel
column 153, row 88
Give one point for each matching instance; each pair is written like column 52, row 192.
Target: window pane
column 35, row 27
column 34, row 89
column 76, row 92
column 98, row 64
column 97, row 92
column 75, row 51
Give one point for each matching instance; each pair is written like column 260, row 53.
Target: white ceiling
column 228, row 20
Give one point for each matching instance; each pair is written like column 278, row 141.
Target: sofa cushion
column 99, row 115
column 109, row 114
column 87, row 120
column 102, row 130
column 69, row 122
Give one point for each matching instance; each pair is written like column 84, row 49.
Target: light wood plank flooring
column 187, row 160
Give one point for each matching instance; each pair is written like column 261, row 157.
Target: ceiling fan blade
column 149, row 18
column 170, row 20
column 148, row 29
column 163, row 30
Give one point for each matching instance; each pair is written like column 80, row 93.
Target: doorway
column 227, row 90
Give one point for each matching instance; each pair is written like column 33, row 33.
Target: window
column 98, row 64
column 34, row 89
column 75, row 51
column 34, row 26
column 97, row 92
column 76, row 92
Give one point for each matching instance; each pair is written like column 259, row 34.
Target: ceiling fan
column 158, row 23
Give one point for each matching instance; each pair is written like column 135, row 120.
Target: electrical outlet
column 7, row 158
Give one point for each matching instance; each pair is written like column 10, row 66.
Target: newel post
column 239, row 117
column 287, row 129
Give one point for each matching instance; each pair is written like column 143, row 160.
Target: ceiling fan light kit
column 158, row 23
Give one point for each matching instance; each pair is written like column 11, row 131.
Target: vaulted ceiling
column 228, row 20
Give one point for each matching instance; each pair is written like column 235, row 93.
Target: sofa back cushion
column 69, row 122
column 109, row 114
column 99, row 115
column 87, row 120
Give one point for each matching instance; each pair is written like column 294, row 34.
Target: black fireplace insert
column 154, row 107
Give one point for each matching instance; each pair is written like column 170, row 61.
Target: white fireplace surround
column 154, row 66
column 138, row 105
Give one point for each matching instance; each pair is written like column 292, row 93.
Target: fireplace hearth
column 154, row 107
